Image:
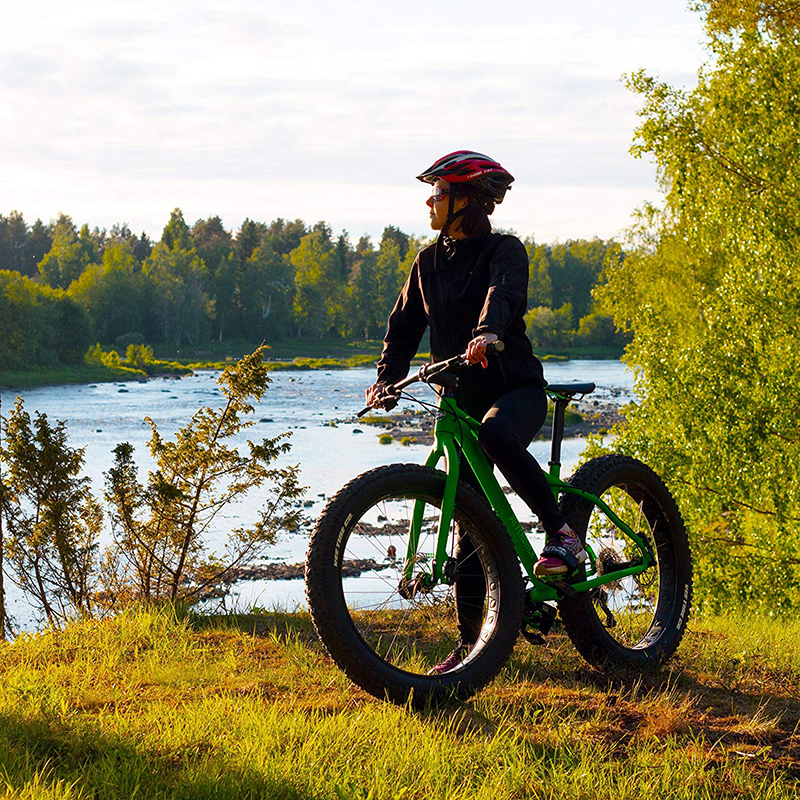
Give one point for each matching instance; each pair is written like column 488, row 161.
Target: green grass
column 589, row 351
column 149, row 705
column 66, row 373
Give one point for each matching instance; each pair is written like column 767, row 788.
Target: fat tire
column 583, row 625
column 331, row 616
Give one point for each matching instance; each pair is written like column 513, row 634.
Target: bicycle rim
column 405, row 621
column 628, row 608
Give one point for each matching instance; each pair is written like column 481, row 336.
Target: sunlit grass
column 158, row 704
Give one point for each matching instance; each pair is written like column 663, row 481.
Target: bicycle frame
column 455, row 431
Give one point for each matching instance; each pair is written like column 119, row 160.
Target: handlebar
column 428, row 371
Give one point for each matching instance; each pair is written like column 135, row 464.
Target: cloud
column 24, row 71
column 340, row 103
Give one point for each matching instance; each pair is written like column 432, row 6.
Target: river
column 99, row 416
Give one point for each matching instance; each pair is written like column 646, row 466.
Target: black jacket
column 481, row 288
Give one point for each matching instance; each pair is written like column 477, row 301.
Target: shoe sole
column 582, row 557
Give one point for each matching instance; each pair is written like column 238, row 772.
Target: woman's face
column 439, row 202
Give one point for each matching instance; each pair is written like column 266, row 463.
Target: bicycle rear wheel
column 386, row 631
column 638, row 620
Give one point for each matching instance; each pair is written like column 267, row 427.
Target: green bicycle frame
column 456, row 431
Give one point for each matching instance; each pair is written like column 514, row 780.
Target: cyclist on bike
column 470, row 288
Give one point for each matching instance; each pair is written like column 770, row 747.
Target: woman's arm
column 404, row 330
column 507, row 294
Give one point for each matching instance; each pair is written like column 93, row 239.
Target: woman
column 470, row 288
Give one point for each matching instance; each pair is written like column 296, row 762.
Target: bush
column 549, row 328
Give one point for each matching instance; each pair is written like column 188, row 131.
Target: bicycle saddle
column 571, row 389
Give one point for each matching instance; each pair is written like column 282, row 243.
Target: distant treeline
column 63, row 288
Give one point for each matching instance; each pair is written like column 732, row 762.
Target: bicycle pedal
column 534, row 637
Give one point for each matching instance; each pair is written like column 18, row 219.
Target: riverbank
column 289, row 349
column 148, row 705
column 294, row 354
column 64, row 374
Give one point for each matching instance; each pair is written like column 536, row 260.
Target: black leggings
column 507, row 429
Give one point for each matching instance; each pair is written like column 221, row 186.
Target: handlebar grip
column 495, row 347
column 364, row 411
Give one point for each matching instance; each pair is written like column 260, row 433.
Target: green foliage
column 114, row 293
column 158, row 549
column 202, row 284
column 39, row 326
column 712, row 295
column 51, row 521
column 561, row 280
column 549, row 328
column 178, row 280
column 317, row 303
column 96, row 356
column 599, row 329
column 21, row 247
column 70, row 254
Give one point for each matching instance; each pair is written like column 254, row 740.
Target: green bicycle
column 383, row 563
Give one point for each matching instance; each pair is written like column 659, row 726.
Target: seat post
column 559, row 404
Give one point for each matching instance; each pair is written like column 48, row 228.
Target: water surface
column 99, row 416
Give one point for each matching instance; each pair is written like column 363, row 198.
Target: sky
column 119, row 112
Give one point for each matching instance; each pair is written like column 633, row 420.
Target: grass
column 151, row 705
column 89, row 373
column 584, row 351
column 63, row 373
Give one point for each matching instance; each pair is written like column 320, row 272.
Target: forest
column 64, row 288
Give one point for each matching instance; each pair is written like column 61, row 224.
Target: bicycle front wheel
column 638, row 620
column 382, row 619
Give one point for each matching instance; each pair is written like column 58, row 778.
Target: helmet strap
column 451, row 217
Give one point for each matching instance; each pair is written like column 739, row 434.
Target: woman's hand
column 379, row 396
column 476, row 349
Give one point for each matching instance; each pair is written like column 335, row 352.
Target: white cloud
column 120, row 112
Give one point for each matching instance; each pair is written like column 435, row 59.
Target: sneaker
column 453, row 660
column 562, row 553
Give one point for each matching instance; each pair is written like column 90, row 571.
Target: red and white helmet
column 466, row 166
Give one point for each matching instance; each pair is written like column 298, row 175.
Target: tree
column 178, row 278
column 549, row 328
column 393, row 234
column 40, row 240
column 38, row 325
column 70, row 253
column 176, row 234
column 540, row 286
column 712, row 295
column 52, row 521
column 248, row 238
column 598, row 329
column 113, row 292
column 214, row 245
column 366, row 309
column 158, row 550
column 315, row 302
column 266, row 294
column 13, row 242
column 574, row 269
column 389, row 277
column 285, row 236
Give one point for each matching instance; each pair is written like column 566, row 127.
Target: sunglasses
column 438, row 194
